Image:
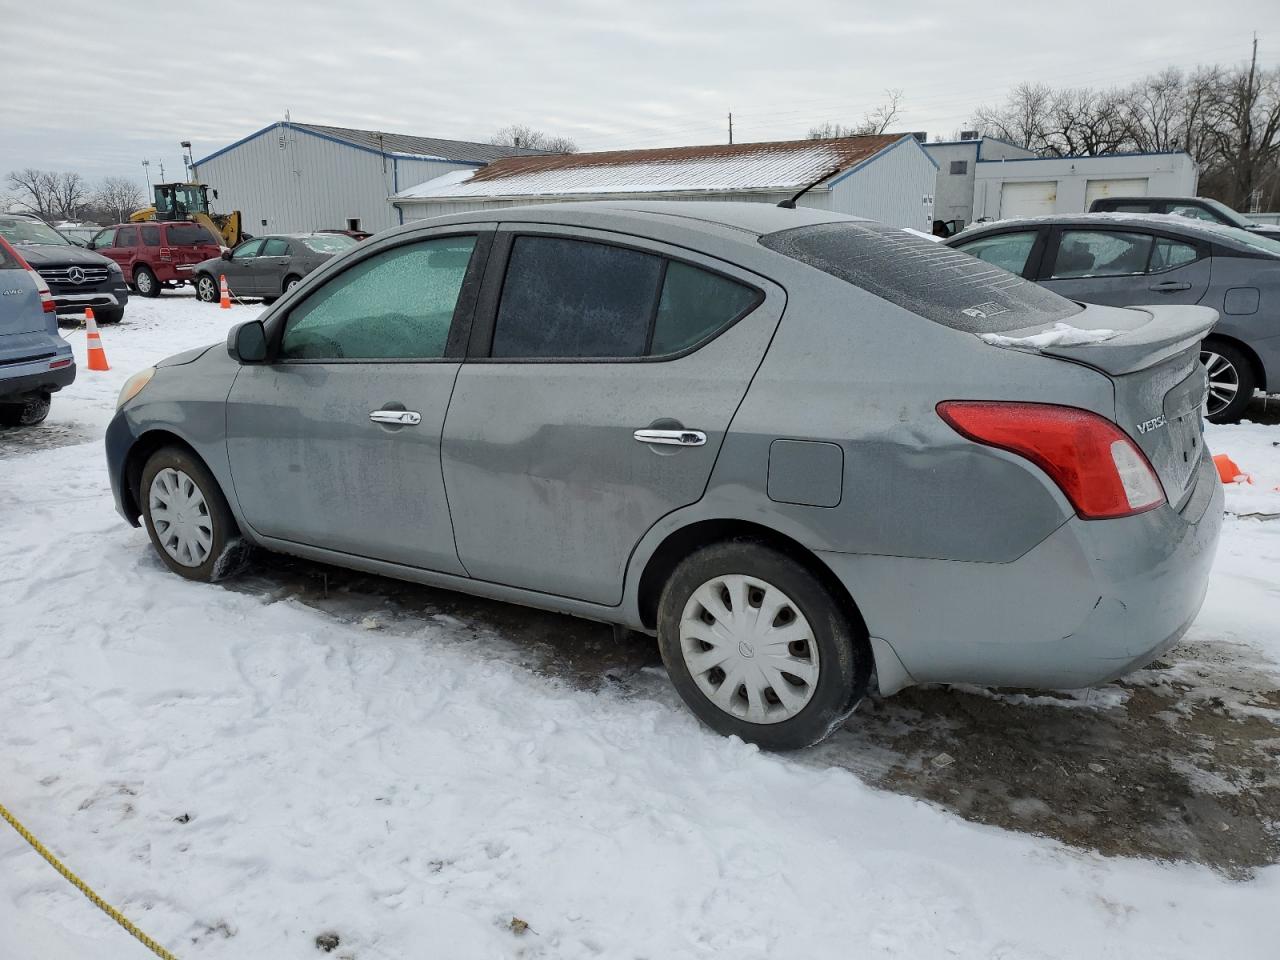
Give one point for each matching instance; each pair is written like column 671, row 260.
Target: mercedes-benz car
column 77, row 278
column 807, row 452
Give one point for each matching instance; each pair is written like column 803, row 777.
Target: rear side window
column 695, row 304
column 574, row 299
column 275, row 247
column 190, row 235
column 1101, row 253
column 1008, row 251
column 150, row 236
column 1171, row 253
column 396, row 305
column 934, row 281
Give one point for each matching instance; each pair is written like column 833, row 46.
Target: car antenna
column 791, row 204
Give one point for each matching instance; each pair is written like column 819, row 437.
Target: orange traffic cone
column 97, row 356
column 225, row 303
column 1228, row 472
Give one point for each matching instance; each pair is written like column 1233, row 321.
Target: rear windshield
column 947, row 286
column 190, row 235
column 329, row 242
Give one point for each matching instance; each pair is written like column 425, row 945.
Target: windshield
column 1246, row 237
column 22, row 230
column 940, row 283
column 329, row 242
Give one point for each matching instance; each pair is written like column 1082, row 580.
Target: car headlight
column 114, row 267
column 133, row 386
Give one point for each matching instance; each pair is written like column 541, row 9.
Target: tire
column 30, row 411
column 107, row 315
column 145, row 282
column 207, row 289
column 291, row 281
column 175, row 475
column 824, row 688
column 1232, row 380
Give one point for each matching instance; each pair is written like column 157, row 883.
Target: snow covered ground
column 241, row 776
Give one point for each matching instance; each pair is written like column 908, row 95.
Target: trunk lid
column 20, row 307
column 1152, row 358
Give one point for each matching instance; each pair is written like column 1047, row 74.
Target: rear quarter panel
column 1260, row 329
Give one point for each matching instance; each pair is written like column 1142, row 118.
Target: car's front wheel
column 758, row 647
column 28, row 412
column 1231, row 380
column 187, row 517
column 145, row 281
column 206, row 289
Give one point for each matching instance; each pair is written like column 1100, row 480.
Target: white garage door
column 1133, row 187
column 1028, row 199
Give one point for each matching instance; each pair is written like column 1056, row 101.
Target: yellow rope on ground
column 83, row 887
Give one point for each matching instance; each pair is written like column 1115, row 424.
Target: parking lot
column 313, row 736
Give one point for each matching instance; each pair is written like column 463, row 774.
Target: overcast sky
column 99, row 86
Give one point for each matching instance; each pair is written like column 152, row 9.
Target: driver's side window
column 247, row 250
column 393, row 305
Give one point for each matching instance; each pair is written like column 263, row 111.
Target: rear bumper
column 22, row 379
column 1093, row 601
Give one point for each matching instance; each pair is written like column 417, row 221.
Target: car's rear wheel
column 1231, row 380
column 758, row 647
column 145, row 281
column 27, row 413
column 187, row 517
column 291, row 281
column 206, row 289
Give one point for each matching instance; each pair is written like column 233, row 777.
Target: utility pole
column 730, row 126
column 1245, row 161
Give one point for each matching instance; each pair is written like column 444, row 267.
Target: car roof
column 710, row 216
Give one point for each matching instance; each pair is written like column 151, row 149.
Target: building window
column 959, row 167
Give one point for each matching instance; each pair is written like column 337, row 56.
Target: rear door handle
column 1169, row 286
column 672, row 438
column 404, row 418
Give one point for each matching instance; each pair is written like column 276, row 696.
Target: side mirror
column 225, row 254
column 247, row 342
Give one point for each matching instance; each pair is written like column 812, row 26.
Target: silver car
column 267, row 267
column 1122, row 259
column 807, row 452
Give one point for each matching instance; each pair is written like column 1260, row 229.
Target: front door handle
column 403, row 418
column 1169, row 286
column 672, row 438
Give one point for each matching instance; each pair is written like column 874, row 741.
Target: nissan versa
column 807, row 451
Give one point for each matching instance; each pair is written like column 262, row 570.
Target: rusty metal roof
column 779, row 165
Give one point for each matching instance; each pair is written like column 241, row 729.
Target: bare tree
column 34, row 191
column 875, row 121
column 1023, row 118
column 119, row 197
column 71, row 195
column 521, row 135
column 1246, row 134
column 1085, row 122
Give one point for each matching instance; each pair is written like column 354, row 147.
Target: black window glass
column 930, row 279
column 150, row 236
column 959, row 166
column 574, row 298
column 393, row 305
column 190, row 235
column 275, row 247
column 694, row 305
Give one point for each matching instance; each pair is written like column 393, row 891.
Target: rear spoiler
column 1169, row 331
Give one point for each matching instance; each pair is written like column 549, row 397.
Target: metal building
column 1033, row 187
column 888, row 178
column 957, row 162
column 304, row 176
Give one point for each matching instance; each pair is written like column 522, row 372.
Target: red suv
column 156, row 255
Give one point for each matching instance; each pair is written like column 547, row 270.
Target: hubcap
column 206, row 288
column 1224, row 380
column 180, row 517
column 749, row 649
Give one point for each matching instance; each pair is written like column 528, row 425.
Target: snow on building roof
column 780, row 165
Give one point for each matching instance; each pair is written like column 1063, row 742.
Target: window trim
column 1155, row 233
column 463, row 310
column 480, row 347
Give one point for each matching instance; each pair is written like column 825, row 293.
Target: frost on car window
column 937, row 282
column 394, row 305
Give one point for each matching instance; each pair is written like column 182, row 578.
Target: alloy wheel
column 749, row 649
column 1224, row 381
column 206, row 290
column 143, row 280
column 180, row 517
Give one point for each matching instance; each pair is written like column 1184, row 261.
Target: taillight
column 46, row 298
column 166, row 253
column 1101, row 471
